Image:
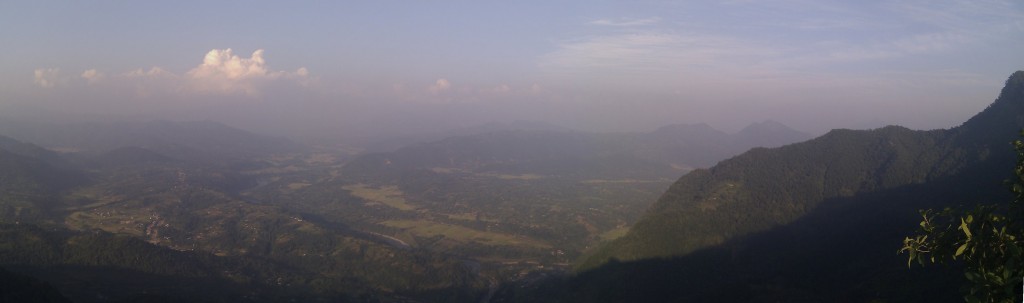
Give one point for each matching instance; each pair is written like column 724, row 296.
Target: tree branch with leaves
column 987, row 240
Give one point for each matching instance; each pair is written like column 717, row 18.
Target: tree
column 987, row 240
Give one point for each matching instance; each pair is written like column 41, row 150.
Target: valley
column 511, row 151
column 386, row 225
column 502, row 216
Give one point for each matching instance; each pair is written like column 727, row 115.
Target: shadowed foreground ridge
column 817, row 220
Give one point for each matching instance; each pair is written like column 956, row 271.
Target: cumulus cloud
column 46, row 77
column 220, row 73
column 92, row 76
column 224, row 72
column 441, row 85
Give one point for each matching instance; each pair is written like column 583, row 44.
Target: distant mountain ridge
column 27, row 149
column 665, row 152
column 786, row 182
column 33, row 170
column 394, row 142
column 198, row 141
column 809, row 222
column 770, row 133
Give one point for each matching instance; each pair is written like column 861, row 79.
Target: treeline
column 818, row 221
column 768, row 187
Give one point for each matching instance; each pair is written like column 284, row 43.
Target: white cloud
column 225, row 64
column 440, row 86
column 221, row 73
column 46, row 77
column 92, row 76
column 224, row 72
column 788, row 43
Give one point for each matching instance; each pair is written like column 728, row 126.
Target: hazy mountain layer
column 205, row 142
column 768, row 187
column 666, row 152
column 132, row 222
column 814, row 221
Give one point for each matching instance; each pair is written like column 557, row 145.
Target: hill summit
column 814, row 221
column 768, row 187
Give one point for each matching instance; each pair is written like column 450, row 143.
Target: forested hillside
column 808, row 222
column 133, row 224
column 768, row 187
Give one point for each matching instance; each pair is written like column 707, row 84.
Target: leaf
column 963, row 227
column 960, row 251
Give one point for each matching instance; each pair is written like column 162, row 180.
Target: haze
column 386, row 68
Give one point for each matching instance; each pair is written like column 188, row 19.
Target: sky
column 391, row 67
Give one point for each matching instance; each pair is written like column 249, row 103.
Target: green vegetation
column 181, row 231
column 808, row 222
column 988, row 239
column 501, row 216
column 387, row 195
column 429, row 229
column 616, row 233
column 765, row 188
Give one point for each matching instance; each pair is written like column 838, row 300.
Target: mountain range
column 815, row 221
column 204, row 142
column 663, row 153
column 193, row 211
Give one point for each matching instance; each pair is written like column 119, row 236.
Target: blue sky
column 601, row 65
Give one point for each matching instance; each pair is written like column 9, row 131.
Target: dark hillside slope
column 31, row 180
column 20, row 288
column 818, row 221
column 25, row 175
column 768, row 187
column 29, row 150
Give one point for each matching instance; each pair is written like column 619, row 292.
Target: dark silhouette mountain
column 767, row 187
column 99, row 267
column 30, row 185
column 22, row 175
column 815, row 221
column 21, row 288
column 29, row 150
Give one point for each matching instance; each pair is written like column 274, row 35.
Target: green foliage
column 988, row 240
column 764, row 188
